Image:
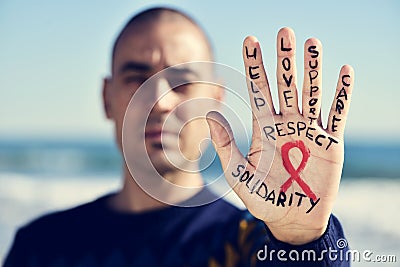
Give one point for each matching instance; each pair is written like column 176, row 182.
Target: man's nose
column 165, row 98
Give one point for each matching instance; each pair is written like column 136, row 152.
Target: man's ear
column 107, row 97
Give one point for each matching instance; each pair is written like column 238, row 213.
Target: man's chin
column 166, row 158
column 169, row 161
column 159, row 159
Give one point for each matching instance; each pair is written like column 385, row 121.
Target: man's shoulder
column 59, row 221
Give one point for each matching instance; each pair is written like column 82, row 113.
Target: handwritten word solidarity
column 280, row 198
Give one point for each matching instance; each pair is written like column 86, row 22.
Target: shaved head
column 157, row 15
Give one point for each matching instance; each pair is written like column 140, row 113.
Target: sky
column 54, row 54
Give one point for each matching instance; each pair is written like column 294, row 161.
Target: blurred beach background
column 57, row 149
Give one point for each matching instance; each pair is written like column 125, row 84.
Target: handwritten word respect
column 298, row 128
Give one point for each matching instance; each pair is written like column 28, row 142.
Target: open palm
column 290, row 177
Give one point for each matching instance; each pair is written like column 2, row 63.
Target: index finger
column 257, row 84
column 257, row 77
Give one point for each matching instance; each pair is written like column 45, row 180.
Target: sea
column 39, row 176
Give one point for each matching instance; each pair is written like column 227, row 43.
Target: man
column 288, row 181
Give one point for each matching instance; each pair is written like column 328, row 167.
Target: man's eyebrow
column 183, row 71
column 135, row 66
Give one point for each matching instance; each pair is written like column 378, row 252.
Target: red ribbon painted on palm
column 295, row 174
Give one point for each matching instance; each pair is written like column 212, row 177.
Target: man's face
column 172, row 132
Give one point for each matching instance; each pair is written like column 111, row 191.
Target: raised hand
column 290, row 177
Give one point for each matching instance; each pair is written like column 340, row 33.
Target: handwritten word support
column 311, row 98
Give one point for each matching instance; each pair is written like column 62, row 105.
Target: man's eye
column 181, row 88
column 135, row 79
column 180, row 85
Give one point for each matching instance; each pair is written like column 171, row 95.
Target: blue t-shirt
column 216, row 234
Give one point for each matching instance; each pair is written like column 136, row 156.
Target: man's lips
column 155, row 134
column 152, row 134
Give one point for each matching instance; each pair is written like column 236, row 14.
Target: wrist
column 294, row 236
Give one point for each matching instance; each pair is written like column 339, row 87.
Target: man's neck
column 132, row 198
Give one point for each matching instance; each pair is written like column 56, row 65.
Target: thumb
column 223, row 141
